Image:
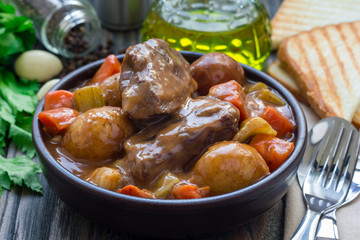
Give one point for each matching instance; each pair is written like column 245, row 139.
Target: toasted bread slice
column 326, row 64
column 279, row 72
column 295, row 16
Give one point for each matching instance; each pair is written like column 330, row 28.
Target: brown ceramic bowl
column 170, row 218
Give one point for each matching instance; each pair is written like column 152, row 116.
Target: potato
column 105, row 177
column 38, row 65
column 228, row 166
column 215, row 68
column 98, row 133
column 110, row 88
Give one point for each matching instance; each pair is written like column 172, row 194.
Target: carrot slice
column 190, row 191
column 232, row 92
column 135, row 191
column 110, row 66
column 56, row 121
column 58, row 99
column 278, row 122
column 274, row 150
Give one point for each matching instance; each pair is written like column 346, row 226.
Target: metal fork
column 327, row 181
column 327, row 228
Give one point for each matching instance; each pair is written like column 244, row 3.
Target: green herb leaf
column 24, row 121
column 3, row 129
column 6, row 117
column 17, row 102
column 22, row 140
column 6, row 8
column 5, row 182
column 17, row 110
column 28, row 87
column 6, row 112
column 20, row 171
column 17, row 34
column 16, row 94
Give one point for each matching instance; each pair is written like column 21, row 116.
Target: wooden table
column 30, row 216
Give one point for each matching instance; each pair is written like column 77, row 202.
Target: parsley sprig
column 17, row 103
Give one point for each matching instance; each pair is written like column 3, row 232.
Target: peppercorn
column 79, row 61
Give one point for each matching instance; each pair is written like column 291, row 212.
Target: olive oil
column 245, row 36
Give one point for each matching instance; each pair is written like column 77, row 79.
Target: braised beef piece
column 155, row 79
column 177, row 143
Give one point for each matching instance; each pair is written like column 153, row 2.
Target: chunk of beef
column 155, row 79
column 177, row 143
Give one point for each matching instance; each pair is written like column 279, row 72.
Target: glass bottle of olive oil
column 239, row 28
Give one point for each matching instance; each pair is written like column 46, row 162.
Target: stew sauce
column 151, row 138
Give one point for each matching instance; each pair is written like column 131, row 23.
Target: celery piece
column 252, row 126
column 270, row 97
column 255, row 87
column 165, row 184
column 88, row 97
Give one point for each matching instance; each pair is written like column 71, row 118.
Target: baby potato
column 215, row 68
column 105, row 177
column 110, row 88
column 228, row 166
column 98, row 134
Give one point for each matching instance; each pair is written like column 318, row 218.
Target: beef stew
column 160, row 154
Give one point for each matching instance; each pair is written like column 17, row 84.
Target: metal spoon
column 327, row 228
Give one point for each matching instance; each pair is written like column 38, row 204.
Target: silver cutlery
column 330, row 159
column 327, row 228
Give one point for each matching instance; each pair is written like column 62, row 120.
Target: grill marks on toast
column 351, row 59
column 337, row 70
column 326, row 64
column 316, row 10
column 326, row 87
column 318, row 74
column 356, row 33
column 295, row 16
column 281, row 73
column 350, row 56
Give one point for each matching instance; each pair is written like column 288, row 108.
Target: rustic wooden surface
column 30, row 216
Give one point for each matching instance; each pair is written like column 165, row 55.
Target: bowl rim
column 248, row 193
